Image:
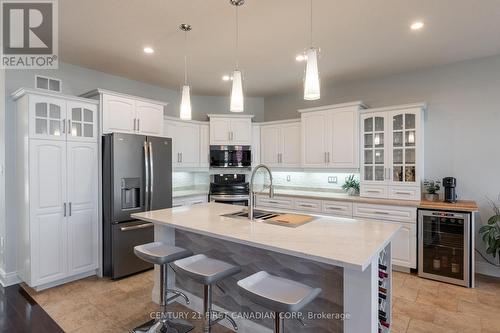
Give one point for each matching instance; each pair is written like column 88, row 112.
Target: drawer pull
column 373, row 191
column 306, row 205
column 334, row 208
column 381, row 213
column 273, row 202
column 405, row 193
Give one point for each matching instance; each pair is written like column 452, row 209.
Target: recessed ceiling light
column 149, row 50
column 417, row 25
column 301, row 57
column 226, row 78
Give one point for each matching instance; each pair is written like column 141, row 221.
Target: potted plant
column 431, row 188
column 490, row 233
column 351, row 185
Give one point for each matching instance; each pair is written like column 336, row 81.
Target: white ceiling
column 358, row 39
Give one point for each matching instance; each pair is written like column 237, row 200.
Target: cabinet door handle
column 63, row 125
column 69, row 127
column 138, row 124
column 64, row 209
column 135, row 122
column 328, row 155
column 232, row 135
column 70, row 209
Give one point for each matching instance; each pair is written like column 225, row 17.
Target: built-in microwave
column 230, row 156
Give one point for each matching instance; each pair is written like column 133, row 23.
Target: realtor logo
column 29, row 34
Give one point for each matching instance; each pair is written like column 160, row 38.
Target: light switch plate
column 288, row 178
column 332, row 180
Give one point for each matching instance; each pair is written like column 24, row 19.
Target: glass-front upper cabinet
column 47, row 118
column 82, row 121
column 405, row 136
column 374, row 148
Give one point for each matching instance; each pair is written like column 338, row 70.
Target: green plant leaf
column 494, row 219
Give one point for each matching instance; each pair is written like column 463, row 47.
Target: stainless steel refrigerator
column 137, row 177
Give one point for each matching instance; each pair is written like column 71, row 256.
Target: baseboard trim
column 487, row 269
column 65, row 280
column 9, row 279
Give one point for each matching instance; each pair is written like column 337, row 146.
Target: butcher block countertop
column 460, row 205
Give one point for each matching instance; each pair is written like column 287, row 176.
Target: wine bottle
column 455, row 265
column 436, row 262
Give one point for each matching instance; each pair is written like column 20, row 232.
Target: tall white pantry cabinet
column 57, row 182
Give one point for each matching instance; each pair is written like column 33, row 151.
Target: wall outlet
column 332, row 180
column 288, row 178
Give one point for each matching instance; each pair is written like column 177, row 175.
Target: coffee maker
column 449, row 184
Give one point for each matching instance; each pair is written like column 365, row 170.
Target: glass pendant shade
column 186, row 103
column 237, row 101
column 311, row 80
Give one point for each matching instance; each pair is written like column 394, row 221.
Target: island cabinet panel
column 252, row 260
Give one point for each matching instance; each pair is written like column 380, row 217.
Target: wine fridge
column 445, row 246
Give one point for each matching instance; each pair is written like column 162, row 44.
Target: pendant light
column 185, row 112
column 237, row 99
column 311, row 75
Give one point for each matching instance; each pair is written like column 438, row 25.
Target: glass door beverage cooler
column 445, row 247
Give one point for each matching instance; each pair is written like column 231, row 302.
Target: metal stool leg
column 207, row 308
column 165, row 324
column 279, row 323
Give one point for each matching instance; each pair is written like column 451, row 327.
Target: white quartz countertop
column 339, row 196
column 348, row 243
column 188, row 193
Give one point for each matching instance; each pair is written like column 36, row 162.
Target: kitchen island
column 347, row 258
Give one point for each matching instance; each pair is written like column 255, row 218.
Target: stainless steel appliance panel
column 125, row 237
column 160, row 153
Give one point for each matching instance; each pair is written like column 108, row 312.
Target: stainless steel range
column 230, row 189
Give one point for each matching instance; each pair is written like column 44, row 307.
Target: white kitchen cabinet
column 149, row 118
column 230, row 130
column 190, row 147
column 392, row 157
column 129, row 114
column 330, row 136
column 280, row 144
column 57, row 201
column 205, row 146
column 55, row 118
column 404, row 244
column 256, row 145
column 189, row 200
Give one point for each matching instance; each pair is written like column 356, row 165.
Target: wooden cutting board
column 290, row 220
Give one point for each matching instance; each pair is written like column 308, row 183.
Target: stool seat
column 159, row 253
column 276, row 293
column 205, row 270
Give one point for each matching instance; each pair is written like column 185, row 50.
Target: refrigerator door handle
column 136, row 227
column 146, row 180
column 151, row 188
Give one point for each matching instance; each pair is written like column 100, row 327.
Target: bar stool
column 161, row 254
column 208, row 272
column 277, row 294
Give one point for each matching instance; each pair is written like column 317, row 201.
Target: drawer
column 404, row 192
column 309, row 205
column 337, row 208
column 277, row 202
column 385, row 212
column 196, row 200
column 373, row 191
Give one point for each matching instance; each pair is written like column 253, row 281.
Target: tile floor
column 99, row 305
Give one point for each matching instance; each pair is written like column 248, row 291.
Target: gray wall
column 461, row 126
column 78, row 80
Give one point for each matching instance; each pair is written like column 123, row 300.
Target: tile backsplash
column 323, row 180
column 190, row 179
